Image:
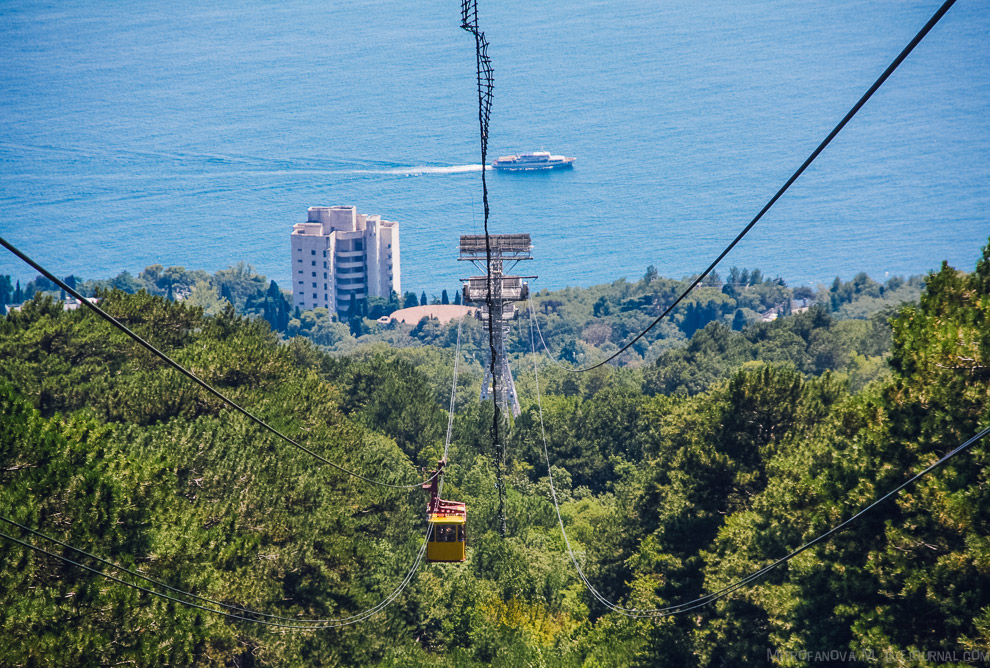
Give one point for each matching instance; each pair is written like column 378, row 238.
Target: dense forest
column 717, row 447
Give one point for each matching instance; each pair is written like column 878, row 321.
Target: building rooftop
column 442, row 312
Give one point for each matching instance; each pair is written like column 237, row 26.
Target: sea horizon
column 197, row 137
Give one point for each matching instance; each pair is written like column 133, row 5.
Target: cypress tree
column 6, row 288
column 282, row 323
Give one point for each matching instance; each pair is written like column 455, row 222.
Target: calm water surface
column 177, row 133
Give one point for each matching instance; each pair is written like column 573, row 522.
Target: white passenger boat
column 532, row 161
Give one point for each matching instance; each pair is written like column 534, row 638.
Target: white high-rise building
column 339, row 253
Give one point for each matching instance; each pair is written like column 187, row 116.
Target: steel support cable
column 290, row 622
column 546, row 453
column 189, row 374
column 300, row 627
column 543, row 341
column 453, row 405
column 725, row 591
column 453, row 390
column 800, row 170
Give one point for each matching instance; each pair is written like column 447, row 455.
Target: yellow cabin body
column 447, row 540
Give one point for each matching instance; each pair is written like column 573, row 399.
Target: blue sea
column 197, row 133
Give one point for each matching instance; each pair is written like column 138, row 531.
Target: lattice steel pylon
column 491, row 256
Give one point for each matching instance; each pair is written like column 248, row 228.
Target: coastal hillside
column 676, row 475
column 582, row 324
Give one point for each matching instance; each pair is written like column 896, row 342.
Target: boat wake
column 233, row 163
column 417, row 171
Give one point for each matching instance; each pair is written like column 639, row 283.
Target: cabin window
column 448, row 534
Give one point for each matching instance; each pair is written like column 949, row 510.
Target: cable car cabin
column 446, row 541
column 448, row 522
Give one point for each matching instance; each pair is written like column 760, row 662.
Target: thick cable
column 725, row 591
column 485, row 83
column 800, row 170
column 189, row 374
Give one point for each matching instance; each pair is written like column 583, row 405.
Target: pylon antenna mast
column 501, row 253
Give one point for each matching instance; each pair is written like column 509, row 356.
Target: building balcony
column 342, row 255
column 349, row 264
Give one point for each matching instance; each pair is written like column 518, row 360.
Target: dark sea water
column 197, row 133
